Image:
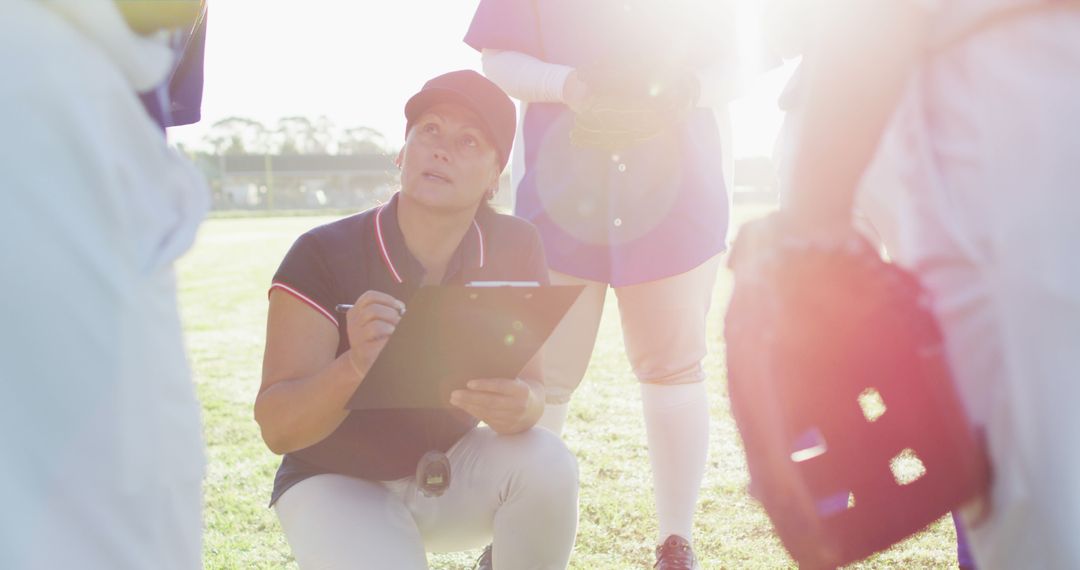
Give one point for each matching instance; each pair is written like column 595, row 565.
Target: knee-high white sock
column 677, row 426
column 554, row 417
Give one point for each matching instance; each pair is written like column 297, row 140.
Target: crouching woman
column 367, row 488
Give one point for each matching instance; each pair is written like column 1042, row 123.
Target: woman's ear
column 400, row 156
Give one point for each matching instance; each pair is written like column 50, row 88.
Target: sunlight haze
column 358, row 62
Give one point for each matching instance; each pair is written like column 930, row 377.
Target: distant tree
column 292, row 135
column 301, row 135
column 362, row 140
column 325, row 135
column 238, row 135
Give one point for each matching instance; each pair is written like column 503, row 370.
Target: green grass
column 223, row 298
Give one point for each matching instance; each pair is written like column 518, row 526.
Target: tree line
column 291, row 136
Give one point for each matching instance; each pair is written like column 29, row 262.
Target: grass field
column 223, row 297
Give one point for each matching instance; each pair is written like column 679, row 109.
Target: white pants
column 663, row 325
column 987, row 147
column 519, row 491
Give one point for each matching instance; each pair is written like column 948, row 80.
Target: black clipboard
column 452, row 334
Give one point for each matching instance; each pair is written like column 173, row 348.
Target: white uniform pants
column 663, row 325
column 518, row 492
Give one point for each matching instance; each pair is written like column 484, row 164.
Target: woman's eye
column 431, row 128
column 470, row 141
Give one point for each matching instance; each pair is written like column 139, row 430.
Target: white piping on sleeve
column 303, row 298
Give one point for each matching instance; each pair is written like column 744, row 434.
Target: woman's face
column 448, row 162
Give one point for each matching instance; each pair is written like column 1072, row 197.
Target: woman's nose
column 440, row 152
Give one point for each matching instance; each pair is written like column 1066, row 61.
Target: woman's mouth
column 436, row 176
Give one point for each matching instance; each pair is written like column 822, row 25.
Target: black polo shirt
column 338, row 262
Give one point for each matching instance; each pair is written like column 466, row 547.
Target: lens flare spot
column 906, row 467
column 808, row 445
column 872, row 404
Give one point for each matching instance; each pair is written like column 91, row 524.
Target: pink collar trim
column 386, row 253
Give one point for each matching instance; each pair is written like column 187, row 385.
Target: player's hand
column 575, row 93
column 370, row 322
column 507, row 405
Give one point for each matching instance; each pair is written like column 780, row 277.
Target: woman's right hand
column 370, row 322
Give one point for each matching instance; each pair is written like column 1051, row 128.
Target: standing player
column 102, row 459
column 616, row 166
column 978, row 105
column 789, row 28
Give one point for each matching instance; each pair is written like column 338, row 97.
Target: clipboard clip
column 491, row 284
column 502, row 284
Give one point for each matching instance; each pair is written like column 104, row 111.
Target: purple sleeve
column 186, row 87
column 964, row 559
column 179, row 100
column 507, row 25
column 304, row 275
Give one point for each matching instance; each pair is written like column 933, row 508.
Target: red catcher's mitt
column 837, row 377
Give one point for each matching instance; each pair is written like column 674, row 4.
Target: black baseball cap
column 479, row 94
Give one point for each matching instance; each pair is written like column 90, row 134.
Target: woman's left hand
column 507, row 405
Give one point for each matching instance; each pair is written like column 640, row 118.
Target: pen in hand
column 342, row 308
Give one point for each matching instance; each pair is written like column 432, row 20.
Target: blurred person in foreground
column 352, row 490
column 972, row 108
column 789, row 27
column 102, row 454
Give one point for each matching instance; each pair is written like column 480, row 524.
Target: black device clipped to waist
column 433, row 474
